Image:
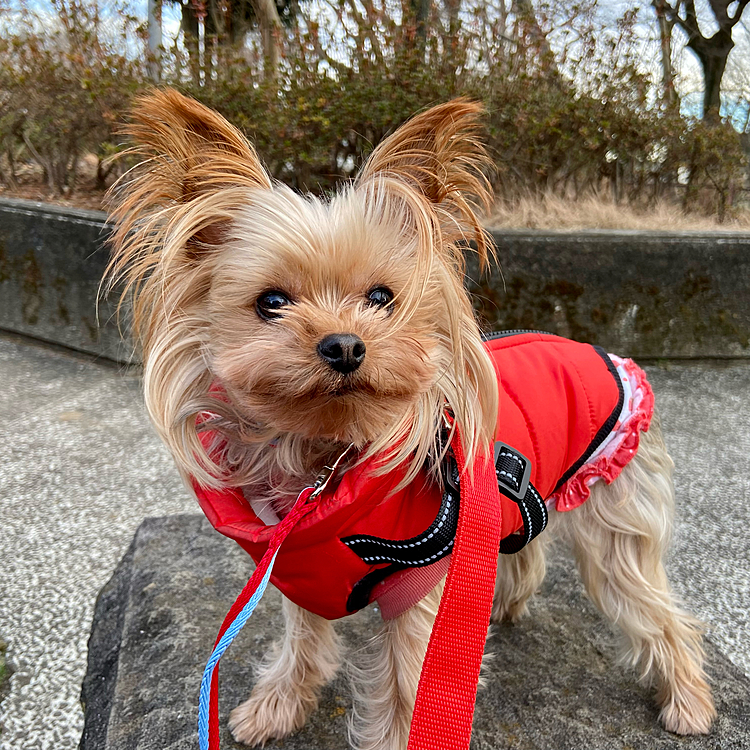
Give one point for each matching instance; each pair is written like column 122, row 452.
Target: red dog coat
column 569, row 415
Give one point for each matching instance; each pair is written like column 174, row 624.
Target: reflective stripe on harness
column 513, row 470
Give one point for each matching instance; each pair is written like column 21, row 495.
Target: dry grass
column 529, row 212
column 594, row 212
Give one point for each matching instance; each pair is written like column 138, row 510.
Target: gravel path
column 80, row 468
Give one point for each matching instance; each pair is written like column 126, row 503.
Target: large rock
column 553, row 682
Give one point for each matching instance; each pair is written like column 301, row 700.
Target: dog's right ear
column 194, row 172
column 177, row 203
column 191, row 149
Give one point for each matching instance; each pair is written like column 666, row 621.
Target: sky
column 689, row 79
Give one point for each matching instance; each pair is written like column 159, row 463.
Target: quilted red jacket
column 559, row 403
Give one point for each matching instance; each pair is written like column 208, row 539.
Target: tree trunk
column 665, row 37
column 451, row 42
column 102, row 173
column 270, row 30
column 190, row 35
column 713, row 57
column 12, row 179
column 711, row 51
column 421, row 9
column 524, row 11
column 154, row 40
column 71, row 170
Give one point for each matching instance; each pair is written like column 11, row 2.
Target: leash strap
column 247, row 601
column 444, row 707
column 208, row 707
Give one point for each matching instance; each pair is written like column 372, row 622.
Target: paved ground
column 80, row 468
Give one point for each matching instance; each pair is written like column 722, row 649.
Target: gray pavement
column 80, row 468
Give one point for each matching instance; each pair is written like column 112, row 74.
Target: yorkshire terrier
column 326, row 323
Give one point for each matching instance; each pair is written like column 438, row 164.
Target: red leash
column 243, row 607
column 208, row 713
column 444, row 708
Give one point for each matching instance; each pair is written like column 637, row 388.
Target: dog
column 296, row 326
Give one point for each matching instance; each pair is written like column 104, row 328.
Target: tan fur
column 620, row 536
column 289, row 681
column 518, row 577
column 385, row 678
column 202, row 233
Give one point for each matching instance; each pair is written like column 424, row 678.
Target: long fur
column 620, row 537
column 203, row 234
column 186, row 218
column 289, row 680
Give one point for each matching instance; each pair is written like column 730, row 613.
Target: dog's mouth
column 344, row 390
column 344, row 409
column 352, row 406
column 347, row 385
column 362, row 388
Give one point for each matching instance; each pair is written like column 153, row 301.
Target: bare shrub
column 569, row 119
column 65, row 80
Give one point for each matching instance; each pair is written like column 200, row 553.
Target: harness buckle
column 513, row 470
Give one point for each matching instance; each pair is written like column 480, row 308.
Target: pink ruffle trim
column 609, row 465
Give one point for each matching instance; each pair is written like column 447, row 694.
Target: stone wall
column 51, row 262
column 643, row 294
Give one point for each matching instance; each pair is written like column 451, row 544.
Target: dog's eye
column 380, row 296
column 269, row 303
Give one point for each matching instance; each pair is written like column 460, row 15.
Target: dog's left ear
column 439, row 155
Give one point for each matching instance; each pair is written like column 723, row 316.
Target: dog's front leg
column 386, row 678
column 289, row 679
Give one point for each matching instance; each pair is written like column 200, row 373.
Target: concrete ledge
column 553, row 682
column 51, row 262
column 643, row 294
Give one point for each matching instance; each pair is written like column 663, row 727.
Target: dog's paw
column 508, row 612
column 691, row 712
column 272, row 713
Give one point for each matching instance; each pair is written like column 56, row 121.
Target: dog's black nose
column 344, row 352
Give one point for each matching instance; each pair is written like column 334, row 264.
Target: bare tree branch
column 713, row 51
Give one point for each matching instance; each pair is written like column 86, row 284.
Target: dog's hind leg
column 518, row 577
column 620, row 536
column 386, row 677
column 289, row 679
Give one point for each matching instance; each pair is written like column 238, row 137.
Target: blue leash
column 208, row 708
column 223, row 644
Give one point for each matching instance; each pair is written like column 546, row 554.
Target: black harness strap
column 513, row 471
column 433, row 544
